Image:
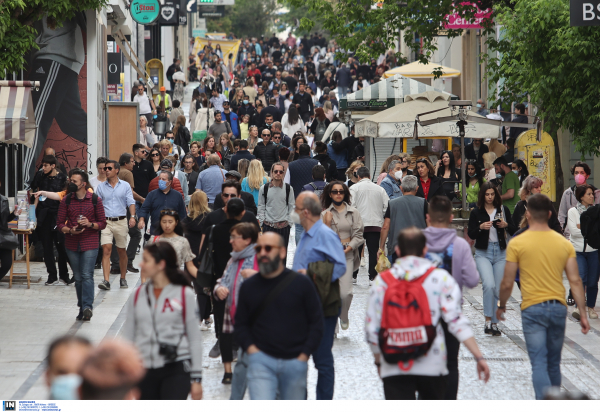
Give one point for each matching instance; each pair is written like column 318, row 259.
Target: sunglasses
column 277, row 172
column 268, row 248
column 155, row 154
column 276, row 136
column 337, row 192
column 169, row 212
column 228, row 195
column 107, row 168
column 265, row 134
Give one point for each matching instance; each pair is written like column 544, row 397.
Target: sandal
column 570, row 300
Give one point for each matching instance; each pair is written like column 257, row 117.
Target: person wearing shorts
column 117, row 197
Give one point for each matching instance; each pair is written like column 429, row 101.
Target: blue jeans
column 83, row 264
column 239, row 383
column 323, row 358
column 269, row 376
column 299, row 230
column 342, row 91
column 544, row 330
column 588, row 270
column 490, row 265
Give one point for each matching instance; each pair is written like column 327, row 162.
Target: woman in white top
column 587, row 257
column 291, row 122
column 147, row 136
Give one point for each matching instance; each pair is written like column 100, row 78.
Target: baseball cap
column 234, row 173
column 226, row 101
column 162, row 89
column 166, row 163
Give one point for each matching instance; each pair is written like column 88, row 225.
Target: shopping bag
column 383, row 263
column 198, row 135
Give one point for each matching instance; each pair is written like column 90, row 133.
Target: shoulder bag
column 207, row 265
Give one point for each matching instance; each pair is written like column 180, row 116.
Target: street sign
column 144, row 11
column 212, row 11
column 202, row 3
column 169, row 14
column 585, row 13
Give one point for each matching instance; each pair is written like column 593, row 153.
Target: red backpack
column 406, row 332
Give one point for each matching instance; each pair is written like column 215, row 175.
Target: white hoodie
column 444, row 298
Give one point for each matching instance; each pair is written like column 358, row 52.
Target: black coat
column 247, row 198
column 241, row 154
column 305, row 102
column 470, row 153
column 516, row 131
column 329, row 164
column 183, row 138
column 479, row 216
column 436, row 188
column 519, row 212
column 268, row 154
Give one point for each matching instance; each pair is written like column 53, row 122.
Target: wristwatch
column 196, row 380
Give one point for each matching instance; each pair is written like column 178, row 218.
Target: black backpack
column 590, row 227
column 94, row 199
column 287, row 193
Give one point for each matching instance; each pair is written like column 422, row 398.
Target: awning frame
column 16, row 112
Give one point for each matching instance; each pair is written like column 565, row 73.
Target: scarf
column 231, row 271
column 581, row 208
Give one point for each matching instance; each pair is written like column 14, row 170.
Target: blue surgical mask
column 162, row 185
column 171, row 140
column 516, row 172
column 245, row 101
column 65, row 387
column 479, row 105
column 498, row 176
column 472, row 175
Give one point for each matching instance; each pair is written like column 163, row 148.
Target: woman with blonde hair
column 253, row 138
column 147, row 136
column 243, row 165
column 488, row 164
column 237, row 101
column 256, row 178
column 192, row 225
column 383, row 172
column 352, row 178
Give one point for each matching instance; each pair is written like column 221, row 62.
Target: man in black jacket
column 272, row 110
column 475, row 151
column 327, row 162
column 348, row 144
column 266, row 151
column 304, row 103
column 247, row 198
column 520, row 118
column 243, row 153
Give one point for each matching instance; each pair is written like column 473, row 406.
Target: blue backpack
column 442, row 260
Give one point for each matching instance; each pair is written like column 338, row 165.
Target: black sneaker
column 104, row 285
column 124, row 284
column 487, row 329
column 98, row 266
column 115, row 271
column 87, row 314
column 495, row 330
column 71, row 281
column 80, row 316
column 131, row 269
column 227, row 378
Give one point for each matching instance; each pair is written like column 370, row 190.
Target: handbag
column 207, row 265
column 8, row 240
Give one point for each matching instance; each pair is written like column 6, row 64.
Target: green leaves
column 17, row 18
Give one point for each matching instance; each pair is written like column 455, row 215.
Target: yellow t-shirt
column 542, row 257
column 244, row 132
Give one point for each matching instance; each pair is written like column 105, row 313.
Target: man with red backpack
column 403, row 323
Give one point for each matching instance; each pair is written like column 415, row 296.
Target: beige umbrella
column 399, row 121
column 418, row 70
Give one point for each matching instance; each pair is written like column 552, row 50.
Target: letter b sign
column 585, row 12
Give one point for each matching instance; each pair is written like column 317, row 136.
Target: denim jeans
column 83, row 264
column 299, row 230
column 588, row 270
column 490, row 265
column 323, row 358
column 269, row 376
column 342, row 91
column 239, row 382
column 544, row 330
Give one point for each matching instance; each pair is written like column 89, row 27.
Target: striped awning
column 385, row 94
column 17, row 119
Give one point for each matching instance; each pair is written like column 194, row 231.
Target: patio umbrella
column 418, row 70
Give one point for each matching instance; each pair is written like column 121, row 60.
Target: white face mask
column 295, row 218
column 398, row 175
column 65, row 387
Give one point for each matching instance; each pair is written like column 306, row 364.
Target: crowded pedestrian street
column 24, row 348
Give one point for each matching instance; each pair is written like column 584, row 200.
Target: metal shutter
column 382, row 149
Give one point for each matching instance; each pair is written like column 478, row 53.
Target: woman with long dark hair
column 162, row 323
column 488, row 224
column 297, row 141
column 170, row 230
column 429, row 184
column 446, row 171
column 518, row 166
column 181, row 134
column 291, row 122
column 475, row 181
column 320, row 119
column 194, row 106
column 155, row 157
column 346, row 222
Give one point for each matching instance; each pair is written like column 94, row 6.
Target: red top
column 425, row 186
column 89, row 239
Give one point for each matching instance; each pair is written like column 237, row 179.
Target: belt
column 114, row 219
column 552, row 301
column 277, row 225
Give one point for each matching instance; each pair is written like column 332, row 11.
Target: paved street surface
column 32, row 318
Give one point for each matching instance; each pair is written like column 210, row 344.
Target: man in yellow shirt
column 541, row 255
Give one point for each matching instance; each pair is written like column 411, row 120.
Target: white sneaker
column 344, row 325
column 576, row 314
column 592, row 313
column 355, row 281
column 203, row 326
column 363, row 262
column 48, row 283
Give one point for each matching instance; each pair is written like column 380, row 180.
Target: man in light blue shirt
column 319, row 243
column 117, row 196
column 211, row 179
column 217, row 100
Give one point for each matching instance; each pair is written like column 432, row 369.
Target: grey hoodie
column 169, row 313
column 464, row 270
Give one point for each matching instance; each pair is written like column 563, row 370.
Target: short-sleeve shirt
column 181, row 246
column 511, row 181
column 542, row 257
column 127, row 176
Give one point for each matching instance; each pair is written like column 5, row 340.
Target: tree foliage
column 540, row 54
column 294, row 15
column 251, row 18
column 17, row 17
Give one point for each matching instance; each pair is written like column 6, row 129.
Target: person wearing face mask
column 81, row 218
column 391, row 183
column 248, row 109
column 157, row 200
column 481, row 110
column 510, row 183
column 475, row 151
column 66, row 355
column 518, row 167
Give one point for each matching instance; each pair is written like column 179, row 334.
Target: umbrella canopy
column 399, row 121
column 418, row 70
